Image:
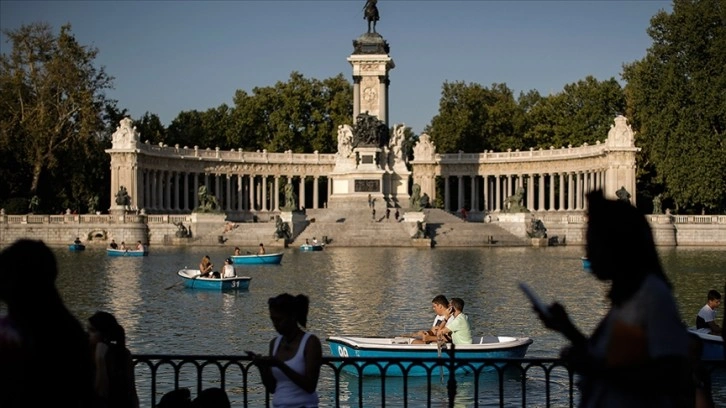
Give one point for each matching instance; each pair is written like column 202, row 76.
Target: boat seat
column 489, row 339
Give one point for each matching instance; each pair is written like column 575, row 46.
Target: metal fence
column 525, row 382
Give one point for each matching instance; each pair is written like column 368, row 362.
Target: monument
column 370, row 160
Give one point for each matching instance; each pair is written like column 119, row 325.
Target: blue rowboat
column 254, row 259
column 126, row 252
column 585, row 263
column 401, row 347
column 192, row 280
column 77, row 247
column 713, row 348
column 310, row 248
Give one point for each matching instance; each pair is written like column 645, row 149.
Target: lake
column 357, row 291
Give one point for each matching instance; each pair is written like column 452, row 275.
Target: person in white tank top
column 292, row 369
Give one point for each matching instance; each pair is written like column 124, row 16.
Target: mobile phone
column 536, row 301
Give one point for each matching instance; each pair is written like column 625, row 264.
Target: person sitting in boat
column 261, row 251
column 123, row 246
column 706, row 318
column 307, row 241
column 315, row 241
column 439, row 304
column 139, row 246
column 113, row 245
column 237, row 251
column 458, row 327
column 77, row 241
column 228, row 269
column 205, row 267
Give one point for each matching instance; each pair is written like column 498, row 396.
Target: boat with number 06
column 401, row 347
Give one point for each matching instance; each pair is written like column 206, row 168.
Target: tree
column 301, row 115
column 582, row 113
column 52, row 100
column 474, row 119
column 150, row 128
column 677, row 102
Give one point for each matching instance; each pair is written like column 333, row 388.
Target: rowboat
column 254, row 259
column 401, row 348
column 126, row 252
column 713, row 347
column 192, row 280
column 311, row 247
column 585, row 263
column 76, row 247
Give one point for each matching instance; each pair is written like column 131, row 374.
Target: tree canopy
column 52, row 102
column 677, row 101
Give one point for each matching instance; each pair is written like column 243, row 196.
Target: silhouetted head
column 107, row 327
column 211, row 398
column 620, row 245
column 27, row 265
column 287, row 306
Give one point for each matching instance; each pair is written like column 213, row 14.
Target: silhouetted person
column 211, row 398
column 115, row 381
column 638, row 356
column 178, row 398
column 292, row 368
column 44, row 351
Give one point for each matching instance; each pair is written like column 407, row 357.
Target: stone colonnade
column 163, row 179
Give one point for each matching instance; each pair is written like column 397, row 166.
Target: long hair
column 620, row 246
column 109, row 328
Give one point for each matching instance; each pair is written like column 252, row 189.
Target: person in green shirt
column 458, row 327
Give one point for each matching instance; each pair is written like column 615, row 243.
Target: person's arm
column 264, row 364
column 101, row 381
column 715, row 328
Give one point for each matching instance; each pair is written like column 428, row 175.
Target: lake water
column 357, row 291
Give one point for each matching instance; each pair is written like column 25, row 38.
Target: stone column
column 316, row 180
column 301, row 194
column 530, row 192
column 562, row 178
column 552, row 177
column 570, row 191
column 498, row 193
column 447, row 202
column 460, row 187
column 228, row 192
column 474, row 195
column 541, row 187
column 264, row 193
column 186, row 191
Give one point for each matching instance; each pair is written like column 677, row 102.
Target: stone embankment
column 343, row 228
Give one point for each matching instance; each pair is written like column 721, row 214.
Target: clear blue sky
column 169, row 56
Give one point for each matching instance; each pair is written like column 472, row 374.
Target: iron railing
column 505, row 382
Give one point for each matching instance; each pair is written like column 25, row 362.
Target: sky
column 172, row 56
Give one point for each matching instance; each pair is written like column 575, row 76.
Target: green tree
column 301, row 115
column 582, row 113
column 52, row 102
column 473, row 119
column 150, row 128
column 677, row 102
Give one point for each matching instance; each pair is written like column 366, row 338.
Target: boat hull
column 126, row 252
column 585, row 263
column 310, row 248
column 77, row 247
column 192, row 280
column 400, row 347
column 266, row 259
column 713, row 347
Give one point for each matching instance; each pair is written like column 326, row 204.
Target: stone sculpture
column 371, row 14
column 207, row 202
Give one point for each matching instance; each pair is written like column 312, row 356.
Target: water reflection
column 357, row 291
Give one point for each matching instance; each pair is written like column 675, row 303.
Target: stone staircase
column 448, row 230
column 357, row 228
column 354, row 228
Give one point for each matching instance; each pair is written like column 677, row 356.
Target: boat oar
column 176, row 284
